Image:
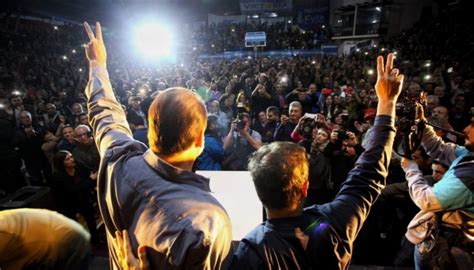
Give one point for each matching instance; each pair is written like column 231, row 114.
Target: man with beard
column 450, row 202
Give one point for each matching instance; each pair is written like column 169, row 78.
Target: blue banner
column 326, row 50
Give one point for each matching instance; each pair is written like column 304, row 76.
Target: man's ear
column 304, row 189
column 199, row 143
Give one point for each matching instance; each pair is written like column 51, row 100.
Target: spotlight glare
column 357, row 50
column 383, row 49
column 153, row 40
column 366, row 53
column 370, row 72
column 427, row 77
column 55, row 27
column 80, row 69
column 64, row 57
column 427, row 64
column 323, row 26
column 73, row 51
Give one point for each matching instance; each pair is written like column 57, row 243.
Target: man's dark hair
column 279, row 170
column 436, row 162
column 174, row 130
column 273, row 109
column 211, row 119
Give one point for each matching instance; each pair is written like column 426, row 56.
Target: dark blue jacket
column 212, row 155
column 323, row 236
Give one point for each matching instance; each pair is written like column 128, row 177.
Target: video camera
column 409, row 131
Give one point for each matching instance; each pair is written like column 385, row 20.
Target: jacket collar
column 174, row 174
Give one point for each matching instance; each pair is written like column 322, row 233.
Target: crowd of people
column 325, row 104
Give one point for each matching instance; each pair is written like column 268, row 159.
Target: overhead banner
column 308, row 18
column 262, row 6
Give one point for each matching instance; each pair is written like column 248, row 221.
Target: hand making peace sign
column 95, row 49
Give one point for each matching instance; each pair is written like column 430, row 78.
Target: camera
column 240, row 122
column 407, row 138
column 307, row 126
column 342, row 135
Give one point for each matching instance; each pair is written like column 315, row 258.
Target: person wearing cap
column 366, row 128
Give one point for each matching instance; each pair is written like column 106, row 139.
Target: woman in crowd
column 72, row 189
column 320, row 182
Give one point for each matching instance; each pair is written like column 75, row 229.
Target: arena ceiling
column 105, row 10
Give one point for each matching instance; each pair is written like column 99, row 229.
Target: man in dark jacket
column 320, row 236
column 154, row 193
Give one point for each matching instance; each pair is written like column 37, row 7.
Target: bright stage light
column 153, row 40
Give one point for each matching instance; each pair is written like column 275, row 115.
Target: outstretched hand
column 95, row 49
column 389, row 82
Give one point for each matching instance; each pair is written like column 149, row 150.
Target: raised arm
column 434, row 146
column 352, row 204
column 106, row 116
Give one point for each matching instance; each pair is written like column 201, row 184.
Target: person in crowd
column 29, row 142
column 49, row 146
column 320, row 179
column 10, row 162
column 154, row 193
column 273, row 120
column 84, row 120
column 260, row 123
column 213, row 154
column 140, row 131
column 72, row 189
column 77, row 110
column 315, row 95
column 85, row 153
column 53, row 117
column 438, row 171
column 134, row 110
column 432, row 102
column 301, row 95
column 68, row 141
column 261, row 98
column 448, row 203
column 222, row 118
column 240, row 143
column 42, row 239
column 288, row 123
column 227, row 105
column 346, row 149
column 440, row 114
column 320, row 236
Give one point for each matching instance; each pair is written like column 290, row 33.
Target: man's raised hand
column 95, row 49
column 389, row 82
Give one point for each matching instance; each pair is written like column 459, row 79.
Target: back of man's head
column 279, row 171
column 177, row 118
